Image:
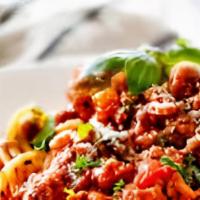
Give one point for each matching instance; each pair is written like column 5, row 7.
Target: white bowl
column 43, row 86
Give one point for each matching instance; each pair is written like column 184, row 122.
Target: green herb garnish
column 183, row 51
column 83, row 162
column 110, row 62
column 167, row 161
column 182, row 42
column 145, row 67
column 142, row 71
column 118, row 186
column 190, row 172
column 41, row 141
column 84, row 130
column 193, row 172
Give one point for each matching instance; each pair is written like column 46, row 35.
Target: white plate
column 43, row 86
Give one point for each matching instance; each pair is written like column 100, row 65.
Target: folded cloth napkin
column 38, row 25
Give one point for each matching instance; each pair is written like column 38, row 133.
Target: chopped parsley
column 118, row 185
column 83, row 162
column 190, row 171
column 193, row 171
column 167, row 161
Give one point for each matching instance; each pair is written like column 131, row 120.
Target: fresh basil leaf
column 183, row 54
column 83, row 162
column 142, row 71
column 83, row 130
column 111, row 62
column 183, row 51
column 182, row 42
column 41, row 141
column 144, row 68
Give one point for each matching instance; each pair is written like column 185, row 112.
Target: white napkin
column 120, row 25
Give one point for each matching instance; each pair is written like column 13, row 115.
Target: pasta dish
column 130, row 131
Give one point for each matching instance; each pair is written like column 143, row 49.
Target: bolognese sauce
column 114, row 144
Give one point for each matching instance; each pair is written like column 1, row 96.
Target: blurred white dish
column 43, row 86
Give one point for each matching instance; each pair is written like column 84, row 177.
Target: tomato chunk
column 106, row 102
column 113, row 171
column 162, row 174
column 84, row 106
